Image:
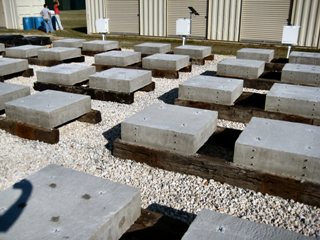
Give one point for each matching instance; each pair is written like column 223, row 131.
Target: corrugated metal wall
column 224, row 19
column 179, row 9
column 94, row 10
column 10, row 12
column 27, row 8
column 306, row 14
column 153, row 17
column 263, row 20
column 2, row 15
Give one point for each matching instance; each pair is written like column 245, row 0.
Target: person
column 56, row 5
column 45, row 13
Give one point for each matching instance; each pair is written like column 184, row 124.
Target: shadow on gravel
column 111, row 135
column 209, row 73
column 170, row 96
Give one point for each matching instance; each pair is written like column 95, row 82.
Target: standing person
column 57, row 14
column 45, row 13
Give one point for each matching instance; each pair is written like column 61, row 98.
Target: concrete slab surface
column 242, row 68
column 312, row 58
column 59, row 53
column 48, row 109
column 279, row 147
column 211, row 225
column 9, row 92
column 117, row 58
column 66, row 74
column 11, row 65
column 61, row 203
column 69, row 42
column 256, row 54
column 100, row 45
column 24, row 51
column 120, row 80
column 161, row 61
column 292, row 99
column 149, row 48
column 301, row 74
column 171, row 128
column 211, row 89
column 2, row 47
column 193, row 51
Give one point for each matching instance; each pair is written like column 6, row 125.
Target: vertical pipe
column 312, row 22
column 220, row 19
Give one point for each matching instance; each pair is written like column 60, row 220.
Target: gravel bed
column 86, row 147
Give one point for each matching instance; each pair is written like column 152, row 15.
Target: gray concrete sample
column 149, row 48
column 193, row 51
column 69, row 42
column 25, row 51
column 292, row 99
column 11, row 65
column 301, row 74
column 120, row 80
column 48, row 109
column 161, row 61
column 117, row 58
column 312, row 58
column 242, row 68
column 100, row 45
column 59, row 53
column 66, row 74
column 9, row 92
column 2, row 47
column 265, row 55
column 171, row 128
column 211, row 225
column 279, row 147
column 61, row 203
column 211, row 89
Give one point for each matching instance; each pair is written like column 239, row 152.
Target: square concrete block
column 161, row 61
column 171, row 128
column 11, row 65
column 193, row 51
column 61, row 203
column 301, row 74
column 100, row 45
column 59, row 53
column 48, row 109
column 260, row 54
column 2, row 47
column 69, row 42
column 66, row 74
column 149, row 48
column 311, row 58
column 9, row 92
column 279, row 147
column 117, row 58
column 242, row 68
column 120, row 80
column 211, row 225
column 291, row 99
column 25, row 51
column 211, row 89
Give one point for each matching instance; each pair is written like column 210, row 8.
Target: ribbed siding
column 306, row 14
column 263, row 20
column 27, row 8
column 153, row 17
column 224, row 19
column 179, row 9
column 123, row 16
column 94, row 10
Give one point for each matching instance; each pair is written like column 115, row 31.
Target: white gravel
column 86, row 147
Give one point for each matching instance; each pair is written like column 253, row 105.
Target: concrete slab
column 9, row 92
column 242, row 68
column 25, row 51
column 149, row 48
column 61, row 203
column 2, row 47
column 311, row 58
column 171, row 128
column 100, row 45
column 211, row 225
column 301, row 74
column 48, row 109
column 260, row 54
column 66, row 74
column 11, row 65
column 291, row 99
column 120, row 80
column 193, row 51
column 117, row 58
column 280, row 147
column 69, row 42
column 161, row 61
column 211, row 89
column 59, row 53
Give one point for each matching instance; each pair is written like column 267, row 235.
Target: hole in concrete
column 303, row 175
column 251, row 164
column 55, row 219
column 304, row 167
column 253, row 150
column 252, row 157
column 306, row 160
column 258, row 138
column 86, row 196
column 220, row 229
column 52, row 185
column 101, row 192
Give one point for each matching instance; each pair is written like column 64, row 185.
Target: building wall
column 2, row 15
column 28, row 8
column 153, row 17
column 94, row 10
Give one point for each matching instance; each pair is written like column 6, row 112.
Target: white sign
column 102, row 25
column 183, row 26
column 290, row 35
